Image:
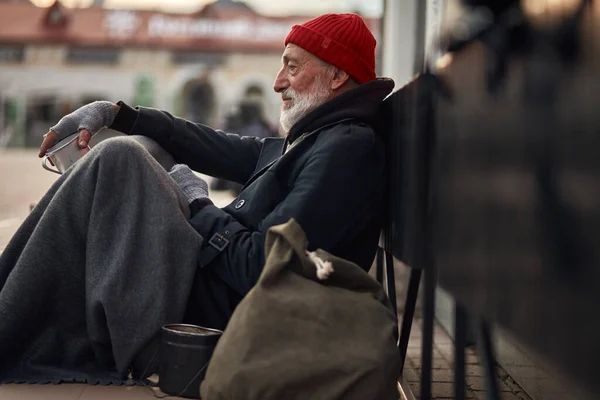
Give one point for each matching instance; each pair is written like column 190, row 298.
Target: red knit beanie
column 343, row 40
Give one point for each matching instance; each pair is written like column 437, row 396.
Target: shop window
column 12, row 53
column 83, row 55
column 194, row 57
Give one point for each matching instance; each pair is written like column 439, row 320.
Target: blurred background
column 197, row 59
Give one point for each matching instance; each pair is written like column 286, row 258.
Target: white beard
column 302, row 104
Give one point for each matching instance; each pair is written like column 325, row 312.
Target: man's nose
column 281, row 83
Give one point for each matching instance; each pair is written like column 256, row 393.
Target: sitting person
column 127, row 239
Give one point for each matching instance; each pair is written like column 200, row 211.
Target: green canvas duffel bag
column 314, row 327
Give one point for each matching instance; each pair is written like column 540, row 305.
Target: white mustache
column 289, row 94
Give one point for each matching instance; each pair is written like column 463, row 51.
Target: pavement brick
column 410, row 363
column 411, row 375
column 414, row 388
column 415, row 333
column 413, row 352
column 446, row 350
column 471, row 359
column 474, row 370
column 417, row 351
column 443, row 390
column 481, row 395
column 443, row 375
column 442, row 339
column 437, row 363
column 468, row 396
column 437, row 353
column 478, row 383
column 452, row 398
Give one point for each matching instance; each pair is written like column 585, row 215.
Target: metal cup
column 184, row 356
column 64, row 154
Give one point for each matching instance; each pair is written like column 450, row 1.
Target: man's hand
column 51, row 138
column 192, row 186
column 86, row 120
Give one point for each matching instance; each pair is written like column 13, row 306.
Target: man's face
column 304, row 82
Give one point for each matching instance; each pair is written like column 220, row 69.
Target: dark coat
column 330, row 180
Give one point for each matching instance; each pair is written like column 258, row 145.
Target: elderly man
column 123, row 244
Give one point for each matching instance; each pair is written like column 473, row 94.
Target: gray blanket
column 102, row 262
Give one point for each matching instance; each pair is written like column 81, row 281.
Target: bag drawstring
column 324, row 268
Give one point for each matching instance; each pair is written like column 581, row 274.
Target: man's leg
column 103, row 261
column 156, row 151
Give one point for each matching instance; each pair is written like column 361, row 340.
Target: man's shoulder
column 351, row 130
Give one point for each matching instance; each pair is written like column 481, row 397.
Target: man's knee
column 118, row 153
column 121, row 146
column 134, row 147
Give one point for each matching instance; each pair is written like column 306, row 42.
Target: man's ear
column 340, row 77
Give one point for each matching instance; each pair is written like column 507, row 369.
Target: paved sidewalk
column 443, row 373
column 22, row 181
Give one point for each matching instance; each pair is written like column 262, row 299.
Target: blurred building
column 198, row 66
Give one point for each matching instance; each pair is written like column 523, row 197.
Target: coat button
column 240, row 204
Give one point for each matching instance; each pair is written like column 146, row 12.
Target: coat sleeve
column 338, row 190
column 208, row 151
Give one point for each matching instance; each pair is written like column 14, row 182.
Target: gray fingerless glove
column 192, row 186
column 93, row 117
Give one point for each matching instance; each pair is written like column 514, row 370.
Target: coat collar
column 361, row 103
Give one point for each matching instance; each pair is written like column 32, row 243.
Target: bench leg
column 460, row 341
column 391, row 280
column 409, row 313
column 429, row 285
column 489, row 361
column 379, row 265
